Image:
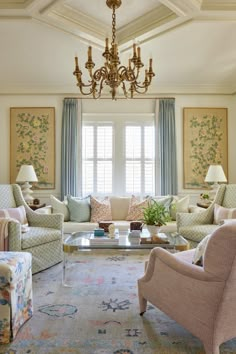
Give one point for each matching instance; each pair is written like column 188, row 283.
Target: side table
column 36, row 206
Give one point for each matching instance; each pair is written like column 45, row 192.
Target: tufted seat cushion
column 35, row 237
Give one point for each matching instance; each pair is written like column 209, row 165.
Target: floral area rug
column 100, row 313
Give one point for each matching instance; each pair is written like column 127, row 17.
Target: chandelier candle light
column 112, row 73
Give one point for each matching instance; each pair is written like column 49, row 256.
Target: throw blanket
column 4, row 244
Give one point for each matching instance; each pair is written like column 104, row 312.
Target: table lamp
column 215, row 174
column 26, row 175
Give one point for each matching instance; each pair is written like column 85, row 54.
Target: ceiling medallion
column 113, row 74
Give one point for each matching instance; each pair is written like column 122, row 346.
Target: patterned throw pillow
column 100, row 209
column 221, row 213
column 59, row 207
column 136, row 208
column 18, row 214
column 200, row 251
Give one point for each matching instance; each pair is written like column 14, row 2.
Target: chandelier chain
column 113, row 25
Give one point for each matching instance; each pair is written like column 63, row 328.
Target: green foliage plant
column 155, row 214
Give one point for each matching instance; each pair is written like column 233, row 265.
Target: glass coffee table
column 85, row 241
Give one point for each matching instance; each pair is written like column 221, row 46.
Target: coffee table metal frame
column 80, row 241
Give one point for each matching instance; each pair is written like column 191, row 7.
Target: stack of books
column 103, row 240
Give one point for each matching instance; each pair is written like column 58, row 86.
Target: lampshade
column 26, row 174
column 216, row 174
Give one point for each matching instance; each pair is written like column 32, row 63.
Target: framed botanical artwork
column 205, row 143
column 32, row 142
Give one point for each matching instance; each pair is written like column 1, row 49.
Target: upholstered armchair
column 43, row 238
column 201, row 299
column 195, row 226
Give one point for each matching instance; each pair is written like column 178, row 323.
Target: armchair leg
column 142, row 304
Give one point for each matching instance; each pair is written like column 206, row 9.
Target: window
column 118, row 156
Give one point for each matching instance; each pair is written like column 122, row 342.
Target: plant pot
column 153, row 230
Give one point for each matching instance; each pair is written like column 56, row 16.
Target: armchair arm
column 54, row 221
column 203, row 217
column 14, row 236
column 182, row 267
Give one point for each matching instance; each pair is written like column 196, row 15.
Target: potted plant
column 154, row 216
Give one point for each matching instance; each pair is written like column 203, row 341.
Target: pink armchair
column 201, row 299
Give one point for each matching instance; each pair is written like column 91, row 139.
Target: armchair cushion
column 200, row 251
column 18, row 214
column 221, row 213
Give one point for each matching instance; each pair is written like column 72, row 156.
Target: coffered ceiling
column 191, row 42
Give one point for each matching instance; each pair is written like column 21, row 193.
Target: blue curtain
column 69, row 148
column 167, row 147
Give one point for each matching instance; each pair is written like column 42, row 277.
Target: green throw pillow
column 79, row 209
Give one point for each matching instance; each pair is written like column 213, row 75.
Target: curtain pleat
column 69, row 148
column 167, row 147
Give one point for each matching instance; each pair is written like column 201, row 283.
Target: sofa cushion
column 18, row 214
column 79, row 209
column 100, row 209
column 119, row 207
column 165, row 201
column 136, row 208
column 221, row 213
column 179, row 205
column 60, row 207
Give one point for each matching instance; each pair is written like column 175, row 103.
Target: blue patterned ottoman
column 15, row 293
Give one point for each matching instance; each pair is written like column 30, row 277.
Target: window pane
column 149, row 185
column 133, row 177
column 149, row 142
column 87, row 142
column 133, row 142
column 104, row 142
column 88, row 186
column 104, row 177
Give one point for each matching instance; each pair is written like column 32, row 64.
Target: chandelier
column 113, row 74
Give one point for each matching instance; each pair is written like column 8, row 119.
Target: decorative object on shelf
column 111, row 74
column 27, row 174
column 205, row 143
column 37, row 206
column 111, row 230
column 154, row 216
column 136, row 225
column 215, row 174
column 99, row 232
column 36, row 201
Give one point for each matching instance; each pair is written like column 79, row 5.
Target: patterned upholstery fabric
column 44, row 237
column 15, row 293
column 195, row 226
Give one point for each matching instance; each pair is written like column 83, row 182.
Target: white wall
column 100, row 106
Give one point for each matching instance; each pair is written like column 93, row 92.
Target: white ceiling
column 192, row 43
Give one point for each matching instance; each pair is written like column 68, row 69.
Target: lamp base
column 26, row 191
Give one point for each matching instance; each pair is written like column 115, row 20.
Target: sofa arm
column 14, row 236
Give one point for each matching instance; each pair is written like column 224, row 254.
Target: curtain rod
column 120, row 98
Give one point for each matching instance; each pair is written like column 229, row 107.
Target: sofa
column 120, row 212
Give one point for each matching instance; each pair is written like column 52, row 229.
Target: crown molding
column 182, row 7
column 146, row 23
column 158, row 89
column 223, row 5
column 11, row 4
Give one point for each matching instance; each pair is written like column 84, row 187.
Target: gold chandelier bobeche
column 112, row 73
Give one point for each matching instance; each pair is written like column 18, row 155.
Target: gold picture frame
column 32, row 142
column 205, row 143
